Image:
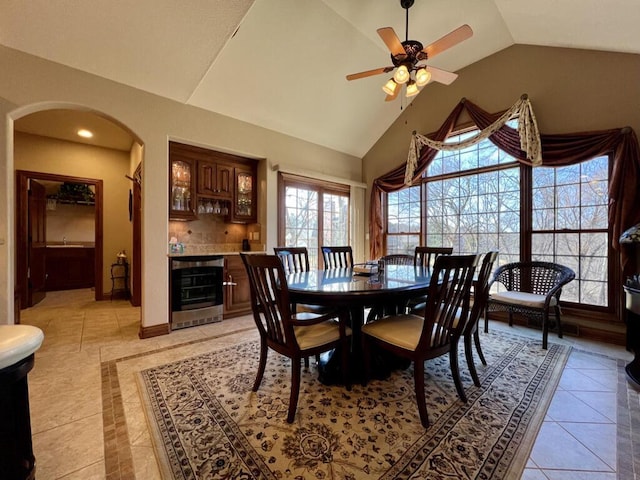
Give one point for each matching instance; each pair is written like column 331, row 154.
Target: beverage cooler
column 196, row 290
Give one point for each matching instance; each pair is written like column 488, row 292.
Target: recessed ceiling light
column 85, row 133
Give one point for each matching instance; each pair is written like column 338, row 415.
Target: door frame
column 21, row 212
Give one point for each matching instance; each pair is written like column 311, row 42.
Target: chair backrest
column 481, row 289
column 294, row 259
column 270, row 300
column 337, row 257
column 533, row 277
column 448, row 295
column 397, row 259
column 426, row 256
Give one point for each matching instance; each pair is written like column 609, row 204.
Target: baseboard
column 570, row 326
column 154, row 331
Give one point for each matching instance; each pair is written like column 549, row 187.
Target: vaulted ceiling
column 281, row 64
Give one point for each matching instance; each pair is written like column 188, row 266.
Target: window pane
column 335, row 220
column 476, row 214
column 402, row 244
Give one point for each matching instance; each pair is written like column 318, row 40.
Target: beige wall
column 30, row 84
column 570, row 90
column 46, row 155
column 71, row 223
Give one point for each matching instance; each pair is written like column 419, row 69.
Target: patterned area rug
column 206, row 422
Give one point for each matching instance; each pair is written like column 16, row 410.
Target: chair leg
column 510, row 319
column 366, row 360
column 455, row 371
column 545, row 329
column 346, row 379
column 295, row 389
column 468, row 353
column 486, row 320
column 262, row 365
column 476, row 339
column 418, row 378
column 306, row 362
column 557, row 309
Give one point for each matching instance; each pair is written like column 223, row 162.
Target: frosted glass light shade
column 422, row 77
column 402, row 74
column 412, row 89
column 390, row 87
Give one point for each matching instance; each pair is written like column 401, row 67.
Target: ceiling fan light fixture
column 412, row 89
column 390, row 87
column 422, row 77
column 402, row 74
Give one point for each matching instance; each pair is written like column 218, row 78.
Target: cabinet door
column 224, row 180
column 181, row 188
column 206, row 178
column 215, row 179
column 243, row 208
column 237, row 298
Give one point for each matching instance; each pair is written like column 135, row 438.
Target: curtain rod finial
column 524, row 96
column 625, row 130
column 414, row 132
column 463, row 100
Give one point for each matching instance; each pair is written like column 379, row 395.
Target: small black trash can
column 632, row 296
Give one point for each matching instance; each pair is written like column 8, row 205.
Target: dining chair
column 294, row 259
column 426, row 256
column 437, row 332
column 480, row 297
column 377, row 311
column 337, row 257
column 532, row 289
column 294, row 335
column 398, row 259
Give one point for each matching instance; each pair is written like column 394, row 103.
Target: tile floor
column 87, row 421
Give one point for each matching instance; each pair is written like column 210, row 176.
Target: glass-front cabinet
column 244, row 199
column 206, row 183
column 181, row 189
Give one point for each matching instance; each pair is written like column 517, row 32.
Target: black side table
column 633, row 331
column 120, row 280
column 16, row 459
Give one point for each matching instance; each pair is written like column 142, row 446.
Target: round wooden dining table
column 350, row 294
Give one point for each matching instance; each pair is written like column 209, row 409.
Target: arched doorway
column 46, row 142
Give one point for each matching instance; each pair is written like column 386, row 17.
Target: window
column 570, row 225
column 403, row 220
column 312, row 213
column 473, row 200
column 472, row 209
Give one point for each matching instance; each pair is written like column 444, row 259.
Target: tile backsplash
column 214, row 235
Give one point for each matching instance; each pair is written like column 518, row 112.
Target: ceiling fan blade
column 449, row 40
column 391, row 40
column 368, row 73
column 442, row 76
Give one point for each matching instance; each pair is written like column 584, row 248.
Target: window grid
column 403, row 220
column 574, row 233
column 476, row 213
column 335, row 219
column 301, row 225
column 472, row 202
column 312, row 212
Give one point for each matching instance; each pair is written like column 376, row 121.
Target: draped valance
column 527, row 131
column 555, row 150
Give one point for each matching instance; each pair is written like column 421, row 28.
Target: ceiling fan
column 409, row 59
